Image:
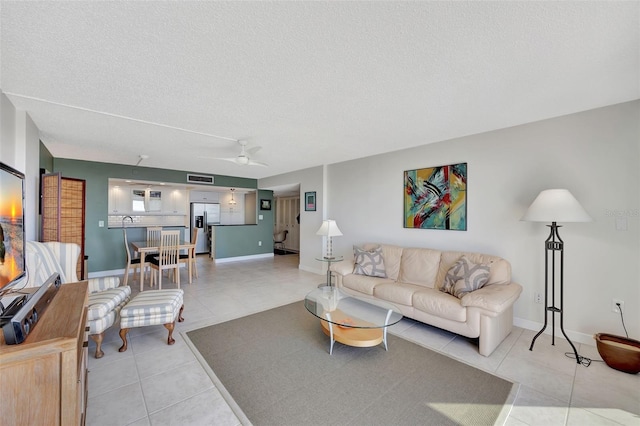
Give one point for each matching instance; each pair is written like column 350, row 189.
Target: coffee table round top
column 346, row 311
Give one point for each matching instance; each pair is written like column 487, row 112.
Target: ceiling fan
column 243, row 159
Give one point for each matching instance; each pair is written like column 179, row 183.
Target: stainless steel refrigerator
column 203, row 215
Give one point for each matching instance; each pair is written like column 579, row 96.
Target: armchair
column 106, row 295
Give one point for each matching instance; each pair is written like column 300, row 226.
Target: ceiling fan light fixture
column 243, row 160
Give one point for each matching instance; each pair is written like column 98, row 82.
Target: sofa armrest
column 103, row 283
column 495, row 298
column 343, row 268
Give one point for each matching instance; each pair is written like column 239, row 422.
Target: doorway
column 287, row 219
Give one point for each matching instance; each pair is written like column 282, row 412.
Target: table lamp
column 555, row 205
column 329, row 229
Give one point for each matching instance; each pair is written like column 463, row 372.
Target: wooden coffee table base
column 352, row 336
column 359, row 337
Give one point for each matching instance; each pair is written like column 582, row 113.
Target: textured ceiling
column 312, row 83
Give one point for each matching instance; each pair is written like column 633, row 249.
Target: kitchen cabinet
column 120, row 200
column 174, row 201
column 203, row 197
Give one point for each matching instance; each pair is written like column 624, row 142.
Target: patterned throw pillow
column 369, row 262
column 464, row 277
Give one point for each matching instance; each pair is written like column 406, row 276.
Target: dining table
column 151, row 246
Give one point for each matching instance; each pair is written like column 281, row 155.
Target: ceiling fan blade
column 257, row 163
column 232, row 159
column 253, row 150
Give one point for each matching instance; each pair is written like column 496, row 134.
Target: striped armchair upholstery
column 106, row 295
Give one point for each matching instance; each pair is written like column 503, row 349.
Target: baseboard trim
column 250, row 257
column 312, row 270
column 576, row 337
column 112, row 272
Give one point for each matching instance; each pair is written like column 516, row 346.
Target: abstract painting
column 436, row 197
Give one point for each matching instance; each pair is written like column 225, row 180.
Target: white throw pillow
column 464, row 276
column 369, row 262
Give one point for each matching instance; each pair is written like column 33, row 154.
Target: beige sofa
column 413, row 280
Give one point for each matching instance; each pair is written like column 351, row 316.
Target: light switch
column 101, row 223
column 260, row 217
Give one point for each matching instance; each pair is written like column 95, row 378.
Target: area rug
column 274, row 368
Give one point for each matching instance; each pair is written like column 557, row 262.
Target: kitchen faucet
column 130, row 218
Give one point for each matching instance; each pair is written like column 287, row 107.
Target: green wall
column 240, row 240
column 105, row 247
column 46, row 159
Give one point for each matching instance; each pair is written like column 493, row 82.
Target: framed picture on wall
column 265, row 204
column 436, row 197
column 310, row 201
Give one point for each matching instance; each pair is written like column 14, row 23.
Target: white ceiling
column 312, row 83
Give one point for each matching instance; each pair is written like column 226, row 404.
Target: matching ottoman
column 152, row 307
column 107, row 297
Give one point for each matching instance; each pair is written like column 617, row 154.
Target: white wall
column 594, row 154
column 310, row 244
column 20, row 148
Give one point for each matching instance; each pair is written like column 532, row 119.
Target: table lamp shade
column 556, row 205
column 329, row 228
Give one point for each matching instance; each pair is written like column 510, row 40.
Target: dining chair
column 279, row 238
column 132, row 262
column 153, row 234
column 191, row 253
column 168, row 257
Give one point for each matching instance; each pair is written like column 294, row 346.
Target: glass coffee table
column 351, row 320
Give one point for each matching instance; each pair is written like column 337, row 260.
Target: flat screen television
column 12, row 236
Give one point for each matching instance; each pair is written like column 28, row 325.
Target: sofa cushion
column 369, row 262
column 419, row 266
column 464, row 277
column 363, row 283
column 401, row 294
column 440, row 304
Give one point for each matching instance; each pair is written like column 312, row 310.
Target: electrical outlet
column 259, row 243
column 537, row 297
column 614, row 305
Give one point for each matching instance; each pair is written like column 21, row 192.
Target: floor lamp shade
column 556, row 205
column 329, row 228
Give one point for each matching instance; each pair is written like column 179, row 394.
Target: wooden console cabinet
column 44, row 379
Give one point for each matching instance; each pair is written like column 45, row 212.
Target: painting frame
column 310, row 201
column 265, row 204
column 436, row 198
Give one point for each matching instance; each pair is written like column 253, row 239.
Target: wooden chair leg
column 123, row 336
column 170, row 326
column 98, row 339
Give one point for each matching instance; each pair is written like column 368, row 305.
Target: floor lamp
column 555, row 205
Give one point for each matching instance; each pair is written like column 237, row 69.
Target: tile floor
column 156, row 384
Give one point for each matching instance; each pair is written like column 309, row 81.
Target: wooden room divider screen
column 63, row 213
